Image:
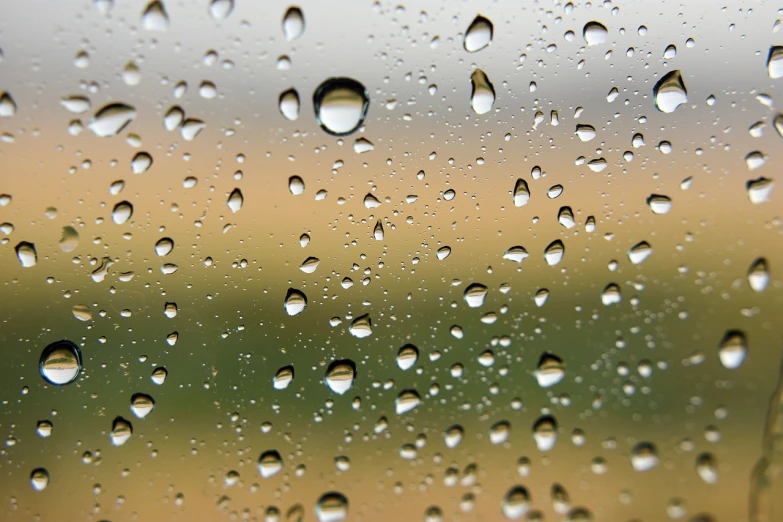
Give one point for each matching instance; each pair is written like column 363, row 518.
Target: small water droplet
column 659, row 204
column 443, row 252
column 594, row 33
column 670, row 92
column 550, row 370
column 407, row 357
column 131, row 74
column 453, row 436
column 499, row 432
column 60, row 363
column 283, row 377
column 154, row 17
column 309, row 265
column 141, row 163
column 44, row 429
column 111, row 119
column 173, row 118
column 644, row 456
column 554, row 252
column 517, row 254
column 733, row 349
column 289, row 104
column 475, row 294
column 378, row 232
column 565, row 216
column 521, row 193
column 516, row 503
column 39, row 479
column 482, row 96
column 406, row 401
column 611, row 295
column 142, row 405
column 545, row 433
column 639, row 252
column 758, row 275
column 670, row 52
column 220, row 9
column 340, row 105
column 159, row 375
column 69, row 239
column 478, row 35
column 331, row 507
column 122, row 212
column 363, row 145
column 7, row 105
column 293, row 23
column 295, row 302
column 340, row 376
column 82, row 312
column 707, row 468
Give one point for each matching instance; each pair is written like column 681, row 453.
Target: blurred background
column 642, row 362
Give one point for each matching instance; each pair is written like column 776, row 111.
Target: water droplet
column 554, row 191
column 131, row 74
column 733, row 349
column 173, row 118
column 499, row 432
column 433, row 514
column 159, row 375
column 758, row 275
column 340, row 376
column 516, row 503
column 545, row 433
column 453, row 436
column 289, row 104
column 362, row 145
column 659, row 204
column 295, row 302
column 517, row 254
column 585, row 132
column 207, row 90
column 331, row 507
column 122, row 212
column 191, row 128
column 141, row 163
column 69, row 239
column 707, row 468
column 82, row 312
column 775, row 62
column 220, row 9
column 541, row 297
column 644, row 456
column 554, row 252
column 60, row 363
column 478, row 35
column 371, row 201
column 340, row 105
column 759, row 190
column 639, row 252
column 121, row 431
column 755, row 160
column 304, row 240
column 560, row 499
column 111, row 119
column 594, row 33
column 7, row 105
column 670, row 92
column 293, row 23
column 296, row 185
column 670, row 52
column 361, row 327
column 443, row 252
column 578, row 514
column 44, row 429
column 778, row 124
column 407, row 357
column 550, row 370
column 270, row 463
column 565, row 216
column 611, row 295
column 26, row 254
column 407, row 400
column 170, row 310
column 283, row 377
column 142, row 405
column 482, row 96
column 377, row 232
column 521, row 193
column 235, row 200
column 39, row 479
column 76, row 104
column 475, row 294
column 154, row 17
column 309, row 265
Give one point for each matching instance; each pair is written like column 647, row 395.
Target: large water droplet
column 289, row 104
column 517, row 254
column 154, row 17
column 295, row 302
column 775, row 62
column 453, row 436
column 545, row 432
column 76, row 104
column 121, row 431
column 235, row 200
column 611, row 295
column 758, row 275
column 60, row 363
column 173, row 118
column 122, row 212
column 521, row 193
column 142, row 405
column 26, row 254
column 377, row 231
column 707, row 468
column 164, row 246
column 407, row 400
column 482, row 96
column 44, row 429
column 39, row 479
column 670, row 92
column 111, row 119
column 220, row 9
column 639, row 252
column 331, row 507
column 7, row 105
column 644, row 456
column 475, row 294
column 81, row 312
column 554, row 252
column 759, row 189
column 550, row 370
column 499, row 432
column 293, row 23
column 69, row 239
column 296, row 185
column 159, row 375
column 594, row 33
column 659, row 204
column 565, row 216
column 478, row 34
column 283, row 377
column 407, row 357
column 309, row 265
column 516, row 503
column 141, row 163
column 361, row 327
column 270, row 463
column 340, row 105
column 733, row 349
column 585, row 132
column 340, row 376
